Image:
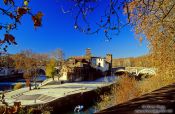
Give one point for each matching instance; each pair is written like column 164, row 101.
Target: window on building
column 99, row 64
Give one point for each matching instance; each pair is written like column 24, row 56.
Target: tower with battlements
column 109, row 60
column 88, row 54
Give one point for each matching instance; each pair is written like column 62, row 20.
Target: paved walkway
column 48, row 93
column 159, row 101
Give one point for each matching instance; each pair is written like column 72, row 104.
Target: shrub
column 106, row 101
column 2, row 109
column 155, row 82
column 127, row 89
column 17, row 86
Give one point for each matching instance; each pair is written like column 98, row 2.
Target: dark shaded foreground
column 87, row 99
column 161, row 101
column 66, row 105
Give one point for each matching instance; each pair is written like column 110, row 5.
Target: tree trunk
column 35, row 82
column 53, row 77
column 30, row 87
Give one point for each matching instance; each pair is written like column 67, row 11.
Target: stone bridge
column 141, row 70
column 42, row 70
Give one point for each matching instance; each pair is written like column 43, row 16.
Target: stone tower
column 88, row 52
column 109, row 60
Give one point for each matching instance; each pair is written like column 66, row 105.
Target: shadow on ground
column 159, row 101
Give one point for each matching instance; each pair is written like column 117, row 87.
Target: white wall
column 64, row 76
column 103, row 65
column 64, row 72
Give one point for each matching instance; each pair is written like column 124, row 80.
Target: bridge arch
column 41, row 71
column 149, row 71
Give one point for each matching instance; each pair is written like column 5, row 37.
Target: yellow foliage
column 154, row 82
column 158, row 29
column 154, row 21
column 50, row 68
column 17, row 86
column 127, row 89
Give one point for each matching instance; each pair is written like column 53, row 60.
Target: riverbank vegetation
column 153, row 21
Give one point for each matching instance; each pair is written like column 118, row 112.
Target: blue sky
column 57, row 32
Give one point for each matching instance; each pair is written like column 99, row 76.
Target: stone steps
column 45, row 98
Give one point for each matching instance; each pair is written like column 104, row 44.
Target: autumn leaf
column 37, row 19
column 10, row 38
column 39, row 15
column 21, row 11
column 11, row 15
column 1, row 41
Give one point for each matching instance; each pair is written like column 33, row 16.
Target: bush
column 17, row 86
column 2, row 109
column 128, row 88
column 106, row 100
column 125, row 89
column 155, row 82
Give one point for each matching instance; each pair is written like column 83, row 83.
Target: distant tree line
column 30, row 63
column 141, row 61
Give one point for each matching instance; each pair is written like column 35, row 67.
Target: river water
column 8, row 85
column 90, row 110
